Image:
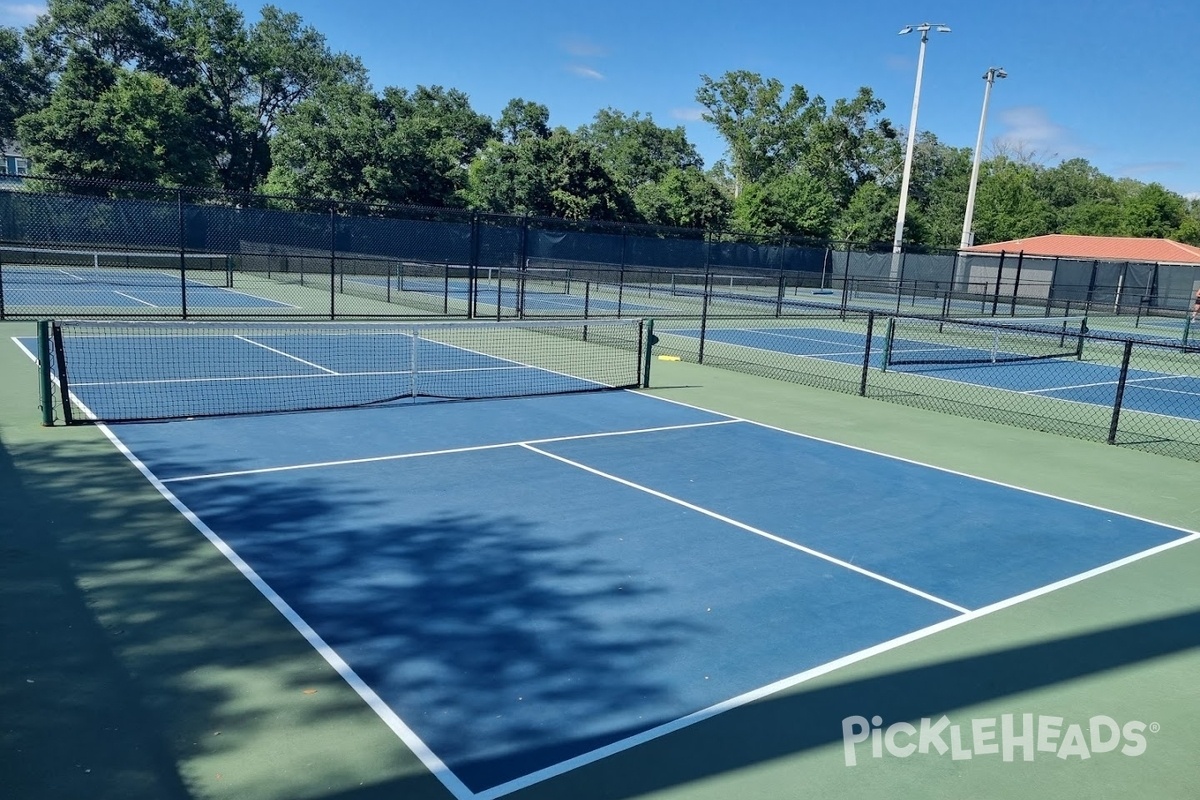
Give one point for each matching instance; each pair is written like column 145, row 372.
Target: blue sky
column 1107, row 80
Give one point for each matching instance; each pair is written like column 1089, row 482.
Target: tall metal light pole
column 898, row 239
column 968, row 236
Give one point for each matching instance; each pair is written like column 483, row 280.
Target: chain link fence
column 822, row 313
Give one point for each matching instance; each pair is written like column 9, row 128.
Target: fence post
column 332, row 259
column 704, row 313
column 1012, row 310
column 183, row 309
column 621, row 273
column 999, row 277
column 473, row 268
column 862, row 384
column 1116, row 415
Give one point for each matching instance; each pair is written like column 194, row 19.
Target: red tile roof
column 1107, row 248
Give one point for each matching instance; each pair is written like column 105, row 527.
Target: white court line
column 1101, row 383
column 746, row 347
column 467, row 449
column 808, row 675
column 135, row 299
column 286, row 355
column 750, row 528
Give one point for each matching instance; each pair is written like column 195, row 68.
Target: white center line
column 752, row 529
column 286, row 355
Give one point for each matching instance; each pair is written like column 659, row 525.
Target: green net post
column 45, row 383
column 887, row 344
column 651, row 340
column 1187, row 329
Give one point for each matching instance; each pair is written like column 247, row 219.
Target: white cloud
column 585, row 72
column 20, row 14
column 1029, row 130
column 582, row 48
column 688, row 114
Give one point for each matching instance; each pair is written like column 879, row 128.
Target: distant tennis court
column 988, row 357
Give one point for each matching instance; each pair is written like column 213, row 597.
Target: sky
column 1111, row 81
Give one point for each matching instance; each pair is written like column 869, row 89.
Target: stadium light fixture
column 897, row 240
column 968, row 237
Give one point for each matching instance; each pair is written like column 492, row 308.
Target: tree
column 523, row 118
column 110, row 122
column 870, row 216
column 22, row 87
column 797, row 204
column 1007, row 204
column 235, row 82
column 401, row 147
column 763, row 128
column 252, row 78
column 1152, row 211
column 558, row 176
column 684, row 198
column 851, row 144
column 635, row 150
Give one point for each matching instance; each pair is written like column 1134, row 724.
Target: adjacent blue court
column 1089, row 382
column 522, row 586
column 488, row 292
column 78, row 287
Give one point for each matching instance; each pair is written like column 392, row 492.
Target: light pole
column 968, row 237
column 898, row 239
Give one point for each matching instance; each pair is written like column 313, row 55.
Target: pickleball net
column 933, row 341
column 123, row 371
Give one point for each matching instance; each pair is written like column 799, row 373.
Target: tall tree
column 635, row 150
column 797, row 203
column 521, row 118
column 1152, row 211
column 22, row 86
column 762, row 125
column 401, row 147
column 685, row 198
column 107, row 121
column 558, row 176
column 1007, row 204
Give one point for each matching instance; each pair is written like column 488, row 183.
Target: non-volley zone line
column 1140, row 383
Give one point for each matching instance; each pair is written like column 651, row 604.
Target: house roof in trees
column 1107, row 248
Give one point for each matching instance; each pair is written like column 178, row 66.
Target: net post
column 587, row 299
column 887, row 344
column 60, row 361
column 1116, row 414
column 45, row 383
column 704, row 316
column 646, row 333
column 1, row 286
column 862, row 383
column 1187, row 329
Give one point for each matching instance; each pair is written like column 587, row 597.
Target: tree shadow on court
column 158, row 671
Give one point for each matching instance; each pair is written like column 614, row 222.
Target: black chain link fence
column 814, row 312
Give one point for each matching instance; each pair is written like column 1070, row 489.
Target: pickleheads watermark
column 1005, row 736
